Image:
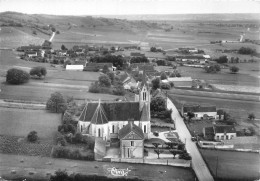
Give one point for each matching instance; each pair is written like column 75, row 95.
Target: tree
column 56, row 103
column 156, row 83
column 105, row 69
column 158, row 104
column 165, row 86
column 153, row 49
column 17, row 76
column 32, row 136
column 104, row 81
column 190, row 115
column 163, row 76
column 234, row 69
column 246, row 51
column 174, row 152
column 158, row 152
column 251, row 116
column 63, row 47
column 38, row 71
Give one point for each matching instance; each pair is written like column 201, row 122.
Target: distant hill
column 189, row 17
column 43, row 22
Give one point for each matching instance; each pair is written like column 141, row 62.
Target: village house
column 31, row 54
column 128, row 81
column 106, row 120
column 220, row 132
column 180, row 81
column 199, row 111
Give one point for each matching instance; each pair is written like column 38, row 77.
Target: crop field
column 19, row 122
column 232, row 165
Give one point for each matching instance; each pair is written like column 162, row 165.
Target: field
column 19, row 122
column 41, row 166
column 232, row 165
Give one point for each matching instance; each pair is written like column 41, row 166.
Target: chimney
column 131, row 122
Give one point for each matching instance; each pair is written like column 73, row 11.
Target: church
column 119, row 120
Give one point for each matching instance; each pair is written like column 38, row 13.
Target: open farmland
column 232, row 165
column 19, row 122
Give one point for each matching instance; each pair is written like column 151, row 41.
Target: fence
column 169, row 162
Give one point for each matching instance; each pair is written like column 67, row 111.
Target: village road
column 198, row 163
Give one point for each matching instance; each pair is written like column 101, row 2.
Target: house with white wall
column 220, row 132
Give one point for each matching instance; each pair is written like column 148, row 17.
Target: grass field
column 232, row 165
column 41, row 166
column 19, row 122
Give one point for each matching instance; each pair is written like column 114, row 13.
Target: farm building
column 31, row 54
column 220, row 132
column 75, row 67
column 200, row 111
column 181, row 81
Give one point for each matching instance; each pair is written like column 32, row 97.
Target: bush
column 171, row 84
column 32, row 136
column 165, row 86
column 17, row 76
column 38, row 71
column 63, row 152
column 234, row 69
column 60, row 140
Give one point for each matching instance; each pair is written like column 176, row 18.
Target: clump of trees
column 154, row 49
column 142, row 59
column 56, row 103
column 38, row 71
column 159, row 110
column 117, row 61
column 221, row 59
column 212, row 68
column 17, row 76
column 246, row 51
column 108, row 83
column 156, row 83
column 234, row 69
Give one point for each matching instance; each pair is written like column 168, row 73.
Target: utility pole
column 217, row 168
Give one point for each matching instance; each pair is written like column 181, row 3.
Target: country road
column 198, row 163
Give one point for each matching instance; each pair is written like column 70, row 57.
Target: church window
column 113, row 128
column 132, row 143
column 144, row 128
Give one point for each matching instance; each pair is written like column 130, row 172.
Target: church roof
column 131, row 131
column 99, row 116
column 113, row 111
column 145, row 113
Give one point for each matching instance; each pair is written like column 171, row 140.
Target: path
column 198, row 163
column 53, row 34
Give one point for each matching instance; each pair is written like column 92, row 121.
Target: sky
column 126, row 7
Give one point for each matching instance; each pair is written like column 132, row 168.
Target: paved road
column 198, row 163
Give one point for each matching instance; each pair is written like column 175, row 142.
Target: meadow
column 231, row 165
column 19, row 122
